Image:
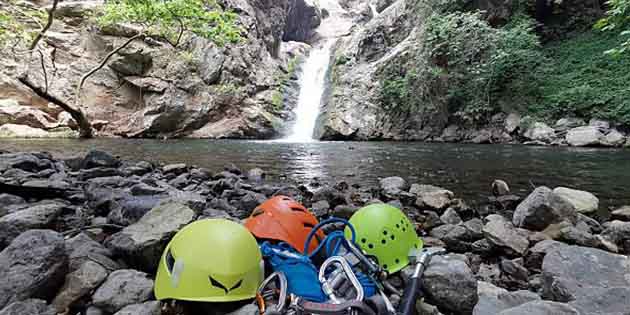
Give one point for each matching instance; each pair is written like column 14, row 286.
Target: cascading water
column 312, row 85
column 313, row 75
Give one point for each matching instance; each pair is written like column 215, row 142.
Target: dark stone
column 99, row 159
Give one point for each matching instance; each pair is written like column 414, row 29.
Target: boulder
column 96, row 158
column 28, row 307
column 565, row 124
column 450, row 284
column 304, row 16
column 514, row 270
column 37, row 216
column 142, row 243
column 393, row 186
column 82, row 249
column 536, row 254
column 574, row 236
column 32, row 266
column 27, row 162
column 256, row 175
column 614, row 139
column 12, row 113
column 146, row 308
column 78, row 9
column 542, row 208
column 450, row 216
column 540, row 132
column 500, row 188
column 23, row 131
column 573, row 272
column 617, row 232
column 78, row 284
column 493, row 300
column 122, row 288
column 432, row 197
column 541, row 308
column 7, row 202
column 512, row 122
column 503, row 234
column 622, row 213
column 175, row 168
column 582, row 201
column 598, row 123
column 604, row 301
column 584, row 136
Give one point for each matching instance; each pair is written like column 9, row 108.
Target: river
column 467, row 170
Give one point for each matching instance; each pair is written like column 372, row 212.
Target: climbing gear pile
column 221, row 261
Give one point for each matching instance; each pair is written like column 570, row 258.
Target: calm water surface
column 468, row 170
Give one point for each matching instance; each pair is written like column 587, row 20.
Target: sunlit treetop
column 171, row 19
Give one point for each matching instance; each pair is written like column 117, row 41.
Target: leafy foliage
column 580, row 80
column 480, row 62
column 169, row 19
column 18, row 24
column 618, row 19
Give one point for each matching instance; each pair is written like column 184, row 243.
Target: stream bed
column 468, row 170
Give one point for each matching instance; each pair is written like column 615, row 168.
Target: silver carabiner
column 342, row 269
column 283, row 287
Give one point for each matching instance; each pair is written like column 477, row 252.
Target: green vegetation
column 171, row 19
column 580, row 80
column 19, row 24
column 282, row 79
column 618, row 20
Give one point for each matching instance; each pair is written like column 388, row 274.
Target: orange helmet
column 283, row 219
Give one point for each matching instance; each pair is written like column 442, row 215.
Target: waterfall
column 312, row 85
column 312, row 80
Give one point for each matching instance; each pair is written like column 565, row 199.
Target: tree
column 169, row 21
column 617, row 19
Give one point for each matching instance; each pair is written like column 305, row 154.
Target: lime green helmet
column 385, row 232
column 210, row 261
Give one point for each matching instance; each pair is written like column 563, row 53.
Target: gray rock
column 147, row 308
column 78, row 284
column 574, row 236
column 432, row 197
column 622, row 213
column 602, row 124
column 123, row 288
column 614, row 139
column 37, row 216
column 584, row 136
column 493, row 300
column 28, row 307
column 450, row 216
column 32, row 266
column 320, row 208
column 536, row 254
column 503, row 234
column 540, row 132
column 94, row 311
column 304, row 16
column 582, row 201
column 82, row 249
column 604, row 301
column 450, row 284
column 175, row 168
column 142, row 243
column 393, row 186
column 512, row 122
column 256, row 174
column 124, row 209
column 617, row 232
column 28, row 162
column 500, row 188
column 142, row 189
column 573, row 272
column 565, row 124
column 97, row 158
column 541, row 308
column 87, row 174
column 542, row 208
column 250, row 201
column 514, row 269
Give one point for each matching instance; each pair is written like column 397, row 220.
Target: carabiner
column 343, row 269
column 282, row 286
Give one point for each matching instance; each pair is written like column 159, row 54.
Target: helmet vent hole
column 308, row 226
column 385, row 266
column 170, row 261
column 384, row 232
column 397, row 226
column 297, row 209
column 370, row 246
column 393, row 237
column 363, row 241
column 404, row 230
column 397, row 261
column 383, row 241
column 257, row 212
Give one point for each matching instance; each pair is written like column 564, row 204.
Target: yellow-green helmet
column 210, row 261
column 386, row 233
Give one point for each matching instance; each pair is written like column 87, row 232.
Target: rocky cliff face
column 153, row 90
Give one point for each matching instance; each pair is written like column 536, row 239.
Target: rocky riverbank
column 84, row 235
